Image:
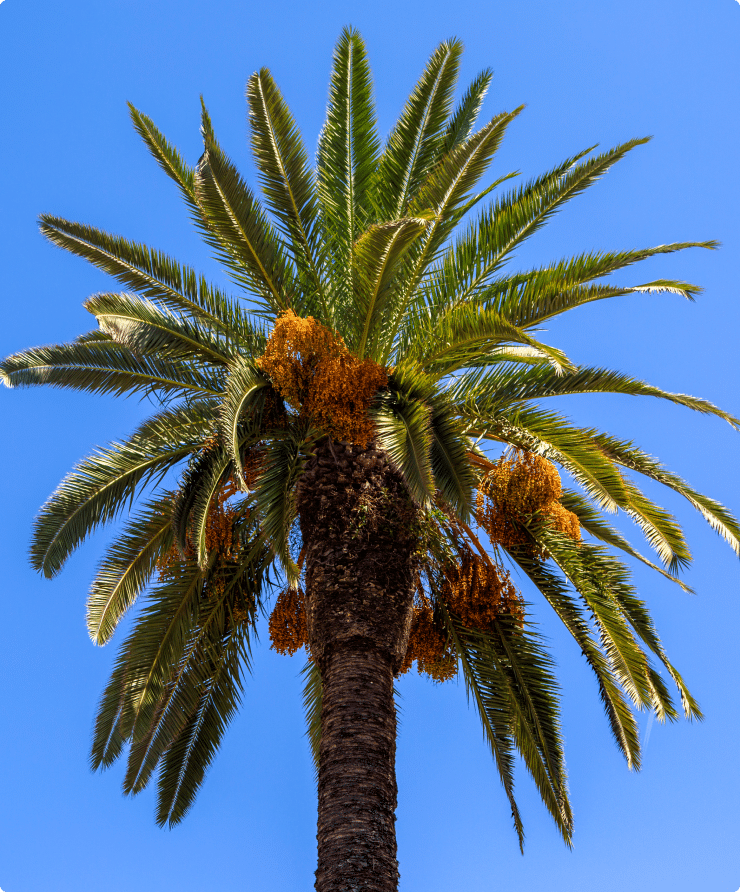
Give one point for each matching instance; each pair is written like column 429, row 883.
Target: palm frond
column 166, row 155
column 101, row 486
column 153, row 275
column 287, row 179
column 96, row 364
column 531, row 298
column 238, row 228
column 275, row 490
column 495, row 389
column 515, row 676
column 246, row 388
column 420, row 133
column 185, row 762
column 377, row 254
column 128, row 566
column 453, row 474
column 465, row 115
column 630, row 456
column 146, row 329
column 553, row 587
column 469, row 266
column 346, row 158
column 145, row 661
column 594, row 524
column 404, row 432
column 312, row 696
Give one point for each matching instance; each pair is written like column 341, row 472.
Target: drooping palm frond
column 185, row 762
column 514, row 688
column 127, row 567
column 592, row 521
column 103, row 484
column 312, row 697
column 246, row 389
column 576, row 620
column 145, row 661
column 275, row 490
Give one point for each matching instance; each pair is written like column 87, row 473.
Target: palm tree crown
column 380, row 353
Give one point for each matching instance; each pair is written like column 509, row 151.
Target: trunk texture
column 360, row 536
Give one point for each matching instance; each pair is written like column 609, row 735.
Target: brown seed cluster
column 288, row 629
column 517, row 489
column 480, row 592
column 428, row 646
column 316, row 374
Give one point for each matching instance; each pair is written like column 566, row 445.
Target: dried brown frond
column 288, row 629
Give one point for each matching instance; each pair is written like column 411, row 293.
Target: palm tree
column 362, row 431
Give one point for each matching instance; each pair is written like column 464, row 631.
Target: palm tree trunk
column 360, row 537
column 357, row 779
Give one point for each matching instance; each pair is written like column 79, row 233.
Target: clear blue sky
column 589, row 72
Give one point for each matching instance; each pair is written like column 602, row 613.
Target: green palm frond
column 287, row 180
column 576, row 620
column 492, row 702
column 466, row 335
column 595, row 575
column 146, row 329
column 377, row 254
column 198, row 484
column 171, row 671
column 531, row 298
column 244, row 397
column 515, row 676
column 346, row 158
column 444, row 195
column 465, row 115
column 166, row 155
column 489, row 391
column 145, row 661
column 453, row 475
column 630, row 456
column 419, row 136
column 405, row 434
column 515, row 217
column 185, row 762
column 239, row 230
column 96, row 364
column 127, row 567
column 573, row 448
column 275, row 490
column 592, row 521
column 153, row 275
column 101, row 486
